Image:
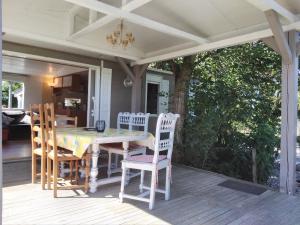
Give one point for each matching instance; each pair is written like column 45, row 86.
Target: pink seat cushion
column 145, row 158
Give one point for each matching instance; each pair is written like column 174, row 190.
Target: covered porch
column 74, row 32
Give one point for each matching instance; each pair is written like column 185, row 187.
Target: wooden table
column 73, row 138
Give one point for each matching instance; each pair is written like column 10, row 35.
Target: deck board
column 196, row 198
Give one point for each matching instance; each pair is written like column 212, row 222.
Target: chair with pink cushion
column 164, row 139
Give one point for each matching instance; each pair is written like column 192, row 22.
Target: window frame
column 10, row 95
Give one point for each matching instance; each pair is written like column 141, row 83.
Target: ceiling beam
column 270, row 41
column 107, row 19
column 265, row 5
column 151, row 24
column 69, row 44
column 228, row 42
column 280, row 38
column 126, row 68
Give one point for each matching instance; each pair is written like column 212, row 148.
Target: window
column 12, row 94
column 157, row 94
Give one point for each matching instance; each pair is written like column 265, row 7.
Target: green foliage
column 233, row 108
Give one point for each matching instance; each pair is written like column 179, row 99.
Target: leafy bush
column 234, row 108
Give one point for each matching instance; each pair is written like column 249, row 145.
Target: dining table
column 81, row 140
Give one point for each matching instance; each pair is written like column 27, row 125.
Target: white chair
column 130, row 121
column 163, row 142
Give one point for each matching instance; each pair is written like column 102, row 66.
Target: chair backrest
column 138, row 120
column 37, row 127
column 123, row 120
column 64, row 121
column 164, row 135
column 50, row 128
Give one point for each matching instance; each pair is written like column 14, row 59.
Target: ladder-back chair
column 131, row 121
column 163, row 142
column 55, row 156
column 38, row 142
column 63, row 121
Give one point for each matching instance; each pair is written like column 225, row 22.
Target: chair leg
column 168, row 183
column 116, row 160
column 152, row 189
column 87, row 173
column 43, row 171
column 123, row 181
column 109, row 165
column 55, row 173
column 77, row 171
column 33, row 168
column 62, row 169
column 48, row 173
column 142, row 181
column 71, row 171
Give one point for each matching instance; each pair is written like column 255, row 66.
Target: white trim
column 160, row 71
column 279, row 36
column 61, row 42
column 241, row 39
column 107, row 19
column 266, row 5
column 48, row 59
column 89, row 99
column 137, row 19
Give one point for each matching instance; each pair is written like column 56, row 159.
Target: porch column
column 136, row 74
column 289, row 101
column 286, row 45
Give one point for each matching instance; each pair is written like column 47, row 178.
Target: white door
column 105, row 95
column 93, row 97
column 99, row 96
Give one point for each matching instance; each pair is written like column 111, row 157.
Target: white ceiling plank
column 280, row 38
column 92, row 16
column 42, row 38
column 107, row 19
column 266, row 5
column 241, row 39
column 117, row 13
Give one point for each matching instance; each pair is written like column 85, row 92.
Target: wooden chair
column 63, row 121
column 129, row 121
column 38, row 142
column 55, row 156
column 163, row 142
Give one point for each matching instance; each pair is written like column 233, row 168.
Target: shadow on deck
column 196, row 198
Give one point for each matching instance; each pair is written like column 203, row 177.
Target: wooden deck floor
column 196, row 199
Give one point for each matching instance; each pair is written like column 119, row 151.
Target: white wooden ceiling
column 37, row 68
column 163, row 28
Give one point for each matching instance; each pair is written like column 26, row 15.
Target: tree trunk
column 254, row 166
column 182, row 74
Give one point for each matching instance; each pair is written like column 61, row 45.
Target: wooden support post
column 136, row 94
column 289, row 101
column 136, row 73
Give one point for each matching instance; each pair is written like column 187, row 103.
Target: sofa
column 16, row 125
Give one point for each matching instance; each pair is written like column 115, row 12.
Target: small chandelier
column 119, row 37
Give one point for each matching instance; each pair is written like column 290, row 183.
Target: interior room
column 27, row 81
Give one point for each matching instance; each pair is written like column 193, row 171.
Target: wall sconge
column 127, row 82
column 51, row 84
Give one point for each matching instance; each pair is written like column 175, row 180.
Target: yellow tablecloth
column 78, row 140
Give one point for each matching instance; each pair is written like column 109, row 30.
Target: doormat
column 240, row 186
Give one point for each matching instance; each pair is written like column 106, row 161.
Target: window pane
column 152, row 98
column 12, row 94
column 5, row 93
